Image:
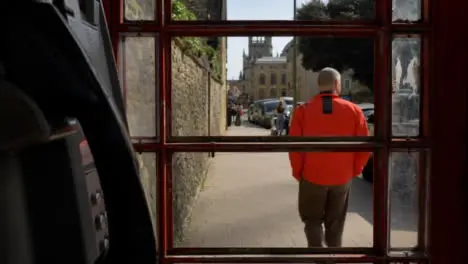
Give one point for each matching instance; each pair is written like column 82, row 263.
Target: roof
column 264, row 100
column 286, row 48
column 271, row 60
column 366, row 105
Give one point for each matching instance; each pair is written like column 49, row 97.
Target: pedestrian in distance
column 237, row 116
column 325, row 177
column 280, row 118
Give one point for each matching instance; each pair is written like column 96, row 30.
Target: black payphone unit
column 59, row 203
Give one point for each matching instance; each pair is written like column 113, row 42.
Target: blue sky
column 255, row 10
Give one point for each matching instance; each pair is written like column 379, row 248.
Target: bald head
column 329, row 79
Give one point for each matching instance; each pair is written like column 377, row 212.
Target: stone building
column 266, row 75
column 263, row 74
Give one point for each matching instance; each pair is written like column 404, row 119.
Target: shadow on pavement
column 250, row 200
column 362, row 204
column 247, row 124
column 266, row 219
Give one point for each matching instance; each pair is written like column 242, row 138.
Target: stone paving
column 250, row 200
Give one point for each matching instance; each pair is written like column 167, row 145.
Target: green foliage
column 342, row 53
column 215, row 59
column 195, row 45
column 351, row 9
column 314, row 10
column 181, row 12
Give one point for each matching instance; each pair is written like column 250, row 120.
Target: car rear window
column 270, row 106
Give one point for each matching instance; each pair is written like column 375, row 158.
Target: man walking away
column 325, row 177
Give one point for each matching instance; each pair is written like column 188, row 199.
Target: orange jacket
column 328, row 168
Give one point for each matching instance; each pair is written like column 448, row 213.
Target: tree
column 344, row 53
column 314, row 10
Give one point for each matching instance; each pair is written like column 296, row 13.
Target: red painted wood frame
column 436, row 16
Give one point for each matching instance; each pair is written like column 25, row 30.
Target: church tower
column 260, row 47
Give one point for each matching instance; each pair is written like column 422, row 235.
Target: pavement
column 250, row 200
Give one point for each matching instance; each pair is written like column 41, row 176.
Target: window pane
column 406, row 86
column 251, row 200
column 147, row 167
column 403, row 183
column 406, row 10
column 199, row 73
column 140, row 84
column 336, row 10
column 410, row 262
column 139, row 10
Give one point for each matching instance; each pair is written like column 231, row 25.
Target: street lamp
column 294, row 60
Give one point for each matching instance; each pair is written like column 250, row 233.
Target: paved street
column 250, row 200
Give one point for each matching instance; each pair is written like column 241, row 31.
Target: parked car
column 250, row 112
column 265, row 112
column 254, row 109
column 257, row 112
column 287, row 100
column 289, row 118
column 261, row 111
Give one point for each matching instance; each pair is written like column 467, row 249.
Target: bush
column 195, row 45
column 181, row 12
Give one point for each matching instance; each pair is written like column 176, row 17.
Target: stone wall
column 198, row 102
column 197, row 110
column 147, row 167
column 139, row 75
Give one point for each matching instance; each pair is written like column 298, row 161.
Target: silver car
column 368, row 110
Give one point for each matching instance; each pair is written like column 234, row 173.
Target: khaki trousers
column 323, row 211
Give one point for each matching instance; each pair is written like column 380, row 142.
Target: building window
column 273, row 78
column 284, row 92
column 261, row 79
column 261, row 93
column 283, row 79
column 273, row 92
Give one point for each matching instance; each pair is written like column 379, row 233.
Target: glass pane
column 403, row 182
column 262, row 72
column 406, row 86
column 410, row 262
column 140, row 84
column 335, row 10
column 251, row 200
column 139, row 9
column 147, row 167
column 406, row 10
